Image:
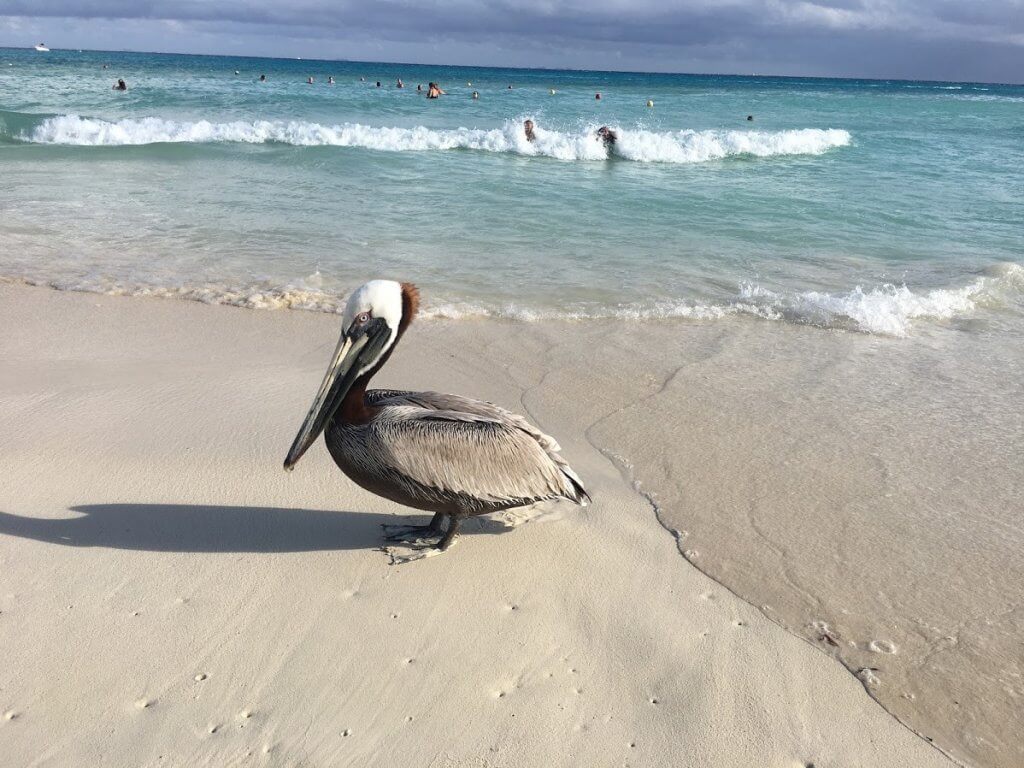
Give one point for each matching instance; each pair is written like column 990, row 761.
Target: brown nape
column 410, row 306
column 353, row 408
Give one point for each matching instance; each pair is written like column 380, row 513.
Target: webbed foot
column 415, row 533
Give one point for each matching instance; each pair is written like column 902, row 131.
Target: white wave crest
column 890, row 309
column 701, row 146
column 639, row 145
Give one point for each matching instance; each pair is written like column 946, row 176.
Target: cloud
column 830, row 37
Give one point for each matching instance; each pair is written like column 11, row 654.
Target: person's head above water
column 528, row 130
column 121, row 85
column 607, row 135
column 263, row 78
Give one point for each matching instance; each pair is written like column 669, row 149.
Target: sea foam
column 686, row 146
column 886, row 310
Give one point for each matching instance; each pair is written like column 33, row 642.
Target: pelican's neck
column 353, row 408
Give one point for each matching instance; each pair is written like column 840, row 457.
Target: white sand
column 169, row 596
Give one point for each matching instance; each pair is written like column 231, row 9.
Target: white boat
column 42, row 47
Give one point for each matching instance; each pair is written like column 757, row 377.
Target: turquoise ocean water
column 875, row 206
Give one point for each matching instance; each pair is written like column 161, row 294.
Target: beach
column 171, row 597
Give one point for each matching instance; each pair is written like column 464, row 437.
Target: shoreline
column 889, row 309
column 131, row 399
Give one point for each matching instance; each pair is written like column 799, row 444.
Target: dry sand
column 171, row 597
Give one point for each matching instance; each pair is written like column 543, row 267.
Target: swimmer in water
column 607, row 135
column 263, row 78
column 121, row 85
column 378, row 83
column 309, row 80
column 419, row 87
column 434, row 90
column 750, row 118
column 330, row 80
column 399, row 84
column 528, row 129
column 476, row 94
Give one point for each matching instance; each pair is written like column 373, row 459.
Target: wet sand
column 172, row 597
column 865, row 493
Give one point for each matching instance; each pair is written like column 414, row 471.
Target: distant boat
column 42, row 47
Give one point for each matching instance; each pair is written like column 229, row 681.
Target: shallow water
column 865, row 205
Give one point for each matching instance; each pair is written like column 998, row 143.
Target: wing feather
column 456, row 445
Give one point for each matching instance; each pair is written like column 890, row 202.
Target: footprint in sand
column 144, row 703
column 200, row 677
column 10, row 715
column 882, row 646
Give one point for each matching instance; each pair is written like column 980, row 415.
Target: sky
column 981, row 40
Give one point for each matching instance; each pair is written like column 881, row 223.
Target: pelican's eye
column 362, row 318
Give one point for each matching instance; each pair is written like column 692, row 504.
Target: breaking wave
column 685, row 146
column 887, row 310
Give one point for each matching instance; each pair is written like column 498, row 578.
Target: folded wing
column 456, row 447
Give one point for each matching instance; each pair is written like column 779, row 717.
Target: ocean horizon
column 670, row 73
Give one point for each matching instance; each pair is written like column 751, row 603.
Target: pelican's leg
column 415, row 532
column 449, row 535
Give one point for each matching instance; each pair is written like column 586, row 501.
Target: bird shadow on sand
column 209, row 528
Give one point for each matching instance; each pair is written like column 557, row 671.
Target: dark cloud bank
column 940, row 39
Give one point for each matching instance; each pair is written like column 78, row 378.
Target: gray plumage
column 450, row 455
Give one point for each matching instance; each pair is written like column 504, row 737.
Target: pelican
column 446, row 454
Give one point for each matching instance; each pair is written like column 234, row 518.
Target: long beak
column 341, row 374
column 356, row 351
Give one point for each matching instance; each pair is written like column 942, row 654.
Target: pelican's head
column 375, row 314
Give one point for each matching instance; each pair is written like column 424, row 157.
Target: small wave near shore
column 885, row 310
